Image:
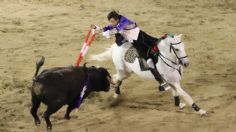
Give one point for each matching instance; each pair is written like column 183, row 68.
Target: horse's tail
column 102, row 56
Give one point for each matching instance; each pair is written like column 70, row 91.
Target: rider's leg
column 154, row 71
column 147, row 39
column 120, row 39
column 163, row 85
column 142, row 44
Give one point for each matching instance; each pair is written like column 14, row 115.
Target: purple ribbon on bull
column 80, row 100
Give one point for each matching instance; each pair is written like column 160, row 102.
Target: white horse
column 171, row 61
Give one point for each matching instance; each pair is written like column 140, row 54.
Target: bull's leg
column 35, row 105
column 177, row 102
column 69, row 109
column 188, row 99
column 50, row 110
column 120, row 76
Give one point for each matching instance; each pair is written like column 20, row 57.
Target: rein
column 179, row 70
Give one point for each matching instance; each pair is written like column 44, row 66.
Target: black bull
column 59, row 86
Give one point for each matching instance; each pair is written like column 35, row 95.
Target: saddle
column 131, row 54
column 143, row 52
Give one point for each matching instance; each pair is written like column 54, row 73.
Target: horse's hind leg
column 35, row 105
column 120, row 76
column 188, row 99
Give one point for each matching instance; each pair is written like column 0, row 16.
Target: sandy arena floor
column 57, row 28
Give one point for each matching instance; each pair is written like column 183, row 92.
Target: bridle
column 173, row 62
column 172, row 48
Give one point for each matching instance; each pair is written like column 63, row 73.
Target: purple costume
column 122, row 25
column 126, row 27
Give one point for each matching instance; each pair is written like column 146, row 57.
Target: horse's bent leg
column 117, row 88
column 120, row 76
column 188, row 99
column 177, row 99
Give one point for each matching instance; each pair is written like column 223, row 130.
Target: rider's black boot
column 163, row 85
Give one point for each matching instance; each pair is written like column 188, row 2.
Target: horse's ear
column 180, row 35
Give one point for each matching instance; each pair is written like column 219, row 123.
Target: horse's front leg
column 177, row 102
column 188, row 99
column 117, row 88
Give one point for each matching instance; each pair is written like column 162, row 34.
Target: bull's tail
column 38, row 65
column 36, row 90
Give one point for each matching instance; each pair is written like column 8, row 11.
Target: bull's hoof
column 67, row 117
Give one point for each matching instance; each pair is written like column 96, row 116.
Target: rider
column 127, row 30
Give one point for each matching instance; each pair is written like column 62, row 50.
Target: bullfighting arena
column 56, row 29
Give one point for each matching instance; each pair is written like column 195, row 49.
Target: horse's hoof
column 49, row 128
column 182, row 105
column 37, row 122
column 202, row 112
column 114, row 101
column 164, row 87
column 115, row 96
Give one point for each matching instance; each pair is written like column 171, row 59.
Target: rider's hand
column 97, row 28
column 92, row 26
column 113, row 32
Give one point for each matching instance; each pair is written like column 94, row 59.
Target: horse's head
column 177, row 49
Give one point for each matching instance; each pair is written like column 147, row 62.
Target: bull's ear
column 110, row 80
column 84, row 65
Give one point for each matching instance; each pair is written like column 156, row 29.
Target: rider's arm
column 123, row 23
column 109, row 27
column 105, row 31
column 97, row 28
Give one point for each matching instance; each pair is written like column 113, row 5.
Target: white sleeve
column 106, row 34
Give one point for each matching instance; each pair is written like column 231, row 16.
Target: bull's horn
column 110, row 80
